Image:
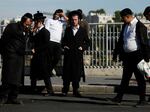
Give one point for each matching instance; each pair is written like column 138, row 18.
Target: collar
column 134, row 21
column 40, row 28
column 74, row 28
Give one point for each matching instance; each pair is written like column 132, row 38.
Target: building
column 94, row 17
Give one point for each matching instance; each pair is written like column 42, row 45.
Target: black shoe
column 148, row 99
column 141, row 103
column 14, row 101
column 3, row 100
column 49, row 94
column 117, row 99
column 64, row 93
column 77, row 94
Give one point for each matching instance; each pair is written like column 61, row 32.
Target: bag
column 144, row 68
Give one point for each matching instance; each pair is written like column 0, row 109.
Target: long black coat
column 73, row 68
column 40, row 63
column 13, row 49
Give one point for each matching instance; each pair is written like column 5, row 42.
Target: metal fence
column 103, row 38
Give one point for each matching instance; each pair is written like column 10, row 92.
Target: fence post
column 106, row 45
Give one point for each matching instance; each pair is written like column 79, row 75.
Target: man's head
column 126, row 15
column 39, row 18
column 75, row 17
column 26, row 21
column 57, row 14
column 146, row 13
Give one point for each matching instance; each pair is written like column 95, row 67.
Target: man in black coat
column 146, row 13
column 13, row 50
column 132, row 47
column 40, row 62
column 74, row 42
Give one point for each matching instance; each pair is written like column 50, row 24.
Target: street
column 87, row 103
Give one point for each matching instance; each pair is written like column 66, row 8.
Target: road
column 88, row 103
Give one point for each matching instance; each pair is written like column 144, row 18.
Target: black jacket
column 141, row 34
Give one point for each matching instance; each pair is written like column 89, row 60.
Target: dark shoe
column 117, row 99
column 77, row 94
column 64, row 94
column 141, row 103
column 14, row 101
column 49, row 94
column 149, row 99
column 3, row 100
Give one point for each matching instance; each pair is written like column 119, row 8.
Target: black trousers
column 129, row 67
column 47, row 82
column 66, row 84
column 9, row 91
column 55, row 54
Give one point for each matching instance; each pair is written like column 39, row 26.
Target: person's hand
column 33, row 51
column 66, row 47
column 80, row 48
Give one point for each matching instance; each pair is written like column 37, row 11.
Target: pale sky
column 13, row 8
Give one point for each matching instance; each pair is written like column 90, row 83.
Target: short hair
column 126, row 12
column 58, row 11
column 146, row 11
column 26, row 16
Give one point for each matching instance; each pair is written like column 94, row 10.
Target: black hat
column 147, row 11
column 126, row 12
column 38, row 15
column 75, row 12
column 27, row 15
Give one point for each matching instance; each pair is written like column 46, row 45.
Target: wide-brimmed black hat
column 146, row 11
column 75, row 12
column 27, row 15
column 126, row 12
column 38, row 16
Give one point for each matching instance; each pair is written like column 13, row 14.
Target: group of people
column 48, row 40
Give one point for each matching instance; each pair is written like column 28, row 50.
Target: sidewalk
column 97, row 84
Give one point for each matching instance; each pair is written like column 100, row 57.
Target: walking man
column 132, row 47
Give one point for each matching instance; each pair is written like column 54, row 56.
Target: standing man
column 147, row 13
column 13, row 39
column 75, row 41
column 132, row 47
column 41, row 58
column 147, row 16
column 55, row 27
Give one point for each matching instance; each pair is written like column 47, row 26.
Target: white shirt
column 55, row 27
column 75, row 29
column 130, row 41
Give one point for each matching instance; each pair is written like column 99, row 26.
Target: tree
column 100, row 11
column 117, row 17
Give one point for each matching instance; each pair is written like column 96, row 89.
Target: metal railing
column 103, row 39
